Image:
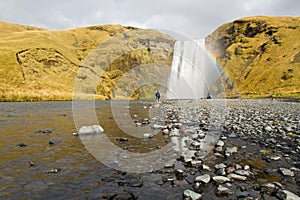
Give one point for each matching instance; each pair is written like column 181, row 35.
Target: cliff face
column 260, row 56
column 39, row 64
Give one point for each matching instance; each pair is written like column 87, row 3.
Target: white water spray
column 189, row 77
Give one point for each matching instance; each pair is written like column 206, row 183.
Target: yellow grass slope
column 260, row 56
column 39, row 64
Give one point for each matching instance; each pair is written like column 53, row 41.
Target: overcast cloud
column 194, row 18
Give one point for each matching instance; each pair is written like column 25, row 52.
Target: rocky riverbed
column 254, row 154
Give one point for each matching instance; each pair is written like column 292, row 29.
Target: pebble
column 191, row 195
column 220, row 143
column 221, row 179
column 286, row 172
column 205, row 178
column 94, row 129
column 148, row 135
column 223, row 190
column 219, row 166
column 287, row 195
column 237, row 177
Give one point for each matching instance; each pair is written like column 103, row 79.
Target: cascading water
column 189, row 77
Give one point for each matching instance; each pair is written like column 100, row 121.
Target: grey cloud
column 195, row 18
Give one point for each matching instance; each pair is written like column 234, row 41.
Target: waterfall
column 188, row 79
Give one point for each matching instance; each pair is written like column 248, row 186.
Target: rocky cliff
column 260, row 56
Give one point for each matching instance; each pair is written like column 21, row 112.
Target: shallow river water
column 26, row 130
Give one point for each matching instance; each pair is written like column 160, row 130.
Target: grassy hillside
column 39, row 64
column 260, row 56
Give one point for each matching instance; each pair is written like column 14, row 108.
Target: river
column 28, row 128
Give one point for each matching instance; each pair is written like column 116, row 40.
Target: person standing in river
column 157, row 95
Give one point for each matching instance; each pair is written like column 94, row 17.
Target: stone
column 220, row 143
column 174, row 133
column 286, row 172
column 246, row 167
column 94, row 129
column 196, row 163
column 268, row 128
column 275, row 158
column 123, row 139
column 221, row 179
column 192, row 195
column 205, row 178
column 230, row 169
column 219, row 149
column 271, row 140
column 287, row 195
column 156, row 126
column 242, row 172
column 219, row 166
column 267, row 188
column 237, row 177
column 223, row 190
column 219, row 155
column 221, row 172
column 165, row 131
column 205, row 167
column 46, row 131
column 22, row 145
column 54, row 171
column 148, row 135
column 231, row 150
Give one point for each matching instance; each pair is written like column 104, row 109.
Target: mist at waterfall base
column 192, row 72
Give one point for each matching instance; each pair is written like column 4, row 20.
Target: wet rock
column 221, row 172
column 46, row 131
column 230, row 169
column 94, row 129
column 286, row 172
column 219, row 166
column 191, row 195
column 275, row 158
column 165, row 131
column 122, row 139
column 138, row 124
column 196, row 163
column 268, row 128
column 268, row 188
column 22, row 145
column 223, row 191
column 174, row 133
column 156, row 126
column 221, row 179
column 205, row 178
column 230, row 150
column 287, row 195
column 220, row 143
column 246, row 167
column 148, row 135
column 205, row 167
column 242, row 172
column 237, row 177
column 54, row 171
column 31, row 163
column 219, row 149
column 271, row 140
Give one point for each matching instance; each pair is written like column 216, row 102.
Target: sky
column 192, row 18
